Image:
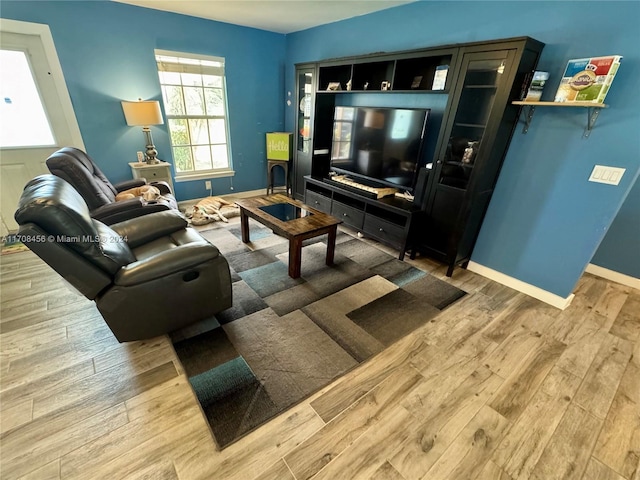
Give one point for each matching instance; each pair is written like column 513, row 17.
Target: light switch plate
column 608, row 175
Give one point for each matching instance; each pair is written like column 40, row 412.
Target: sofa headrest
column 58, row 210
column 77, row 168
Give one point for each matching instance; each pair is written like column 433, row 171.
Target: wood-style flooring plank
column 315, row 453
column 569, row 450
column 518, row 389
column 439, row 421
column 277, row 471
column 473, row 447
column 524, row 444
column 17, row 415
column 50, row 471
column 598, row 471
column 491, row 471
column 386, row 472
column 360, row 381
column 146, row 422
column 618, row 446
column 22, row 455
column 603, row 377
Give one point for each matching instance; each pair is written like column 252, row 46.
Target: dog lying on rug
column 208, row 210
column 148, row 192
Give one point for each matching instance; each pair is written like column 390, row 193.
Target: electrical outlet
column 207, row 184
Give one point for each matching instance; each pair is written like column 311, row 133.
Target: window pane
column 183, row 160
column 215, row 105
column 171, row 78
column 194, row 100
column 212, row 81
column 202, row 157
column 179, row 132
column 199, row 133
column 23, row 121
column 217, row 131
column 193, row 90
column 220, row 159
column 173, row 101
column 192, row 79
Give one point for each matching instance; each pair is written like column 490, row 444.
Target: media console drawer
column 317, row 201
column 383, row 230
column 349, row 215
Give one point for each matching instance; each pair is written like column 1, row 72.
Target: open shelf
column 593, row 110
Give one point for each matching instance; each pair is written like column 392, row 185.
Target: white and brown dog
column 148, row 192
column 207, row 210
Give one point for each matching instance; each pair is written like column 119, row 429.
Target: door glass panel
column 481, row 82
column 305, row 93
column 23, row 121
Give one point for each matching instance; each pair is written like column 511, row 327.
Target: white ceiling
column 284, row 16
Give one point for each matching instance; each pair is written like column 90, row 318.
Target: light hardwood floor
column 499, row 386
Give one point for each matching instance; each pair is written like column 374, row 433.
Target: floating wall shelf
column 593, row 109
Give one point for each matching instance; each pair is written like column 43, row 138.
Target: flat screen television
column 382, row 146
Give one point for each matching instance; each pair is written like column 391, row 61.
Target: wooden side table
column 158, row 172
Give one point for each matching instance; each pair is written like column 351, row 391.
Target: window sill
column 204, row 175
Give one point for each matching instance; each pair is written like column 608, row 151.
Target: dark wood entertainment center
column 472, row 114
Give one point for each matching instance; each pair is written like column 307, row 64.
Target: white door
column 36, row 117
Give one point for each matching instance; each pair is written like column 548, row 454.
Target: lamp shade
column 142, row 113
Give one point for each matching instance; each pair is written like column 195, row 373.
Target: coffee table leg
column 244, row 226
column 331, row 244
column 295, row 257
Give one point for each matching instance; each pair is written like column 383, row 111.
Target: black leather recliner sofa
column 148, row 275
column 77, row 168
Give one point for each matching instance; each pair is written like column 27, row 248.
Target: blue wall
column 545, row 221
column 106, row 53
column 620, row 249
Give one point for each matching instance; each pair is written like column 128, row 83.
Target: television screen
column 379, row 144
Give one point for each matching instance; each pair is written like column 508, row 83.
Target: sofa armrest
column 163, row 187
column 166, row 263
column 141, row 230
column 127, row 184
column 111, row 209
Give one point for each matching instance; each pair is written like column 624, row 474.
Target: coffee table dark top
column 286, row 228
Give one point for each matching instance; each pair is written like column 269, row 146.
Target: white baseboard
column 614, row 276
column 526, row 288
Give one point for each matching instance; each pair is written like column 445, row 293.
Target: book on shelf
column 588, row 79
column 534, row 86
column 440, row 77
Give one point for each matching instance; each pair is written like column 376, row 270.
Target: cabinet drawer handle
column 345, row 215
column 316, row 202
column 381, row 230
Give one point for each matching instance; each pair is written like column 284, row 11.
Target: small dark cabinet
column 479, row 81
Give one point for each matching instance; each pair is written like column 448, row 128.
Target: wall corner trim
column 526, row 288
column 614, row 276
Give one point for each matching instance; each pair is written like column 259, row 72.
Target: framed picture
column 416, row 82
column 334, row 86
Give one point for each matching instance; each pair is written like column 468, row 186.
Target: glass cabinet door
column 305, row 96
column 305, row 101
column 483, row 74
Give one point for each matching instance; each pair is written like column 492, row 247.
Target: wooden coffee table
column 283, row 216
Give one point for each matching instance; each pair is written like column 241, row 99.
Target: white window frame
column 215, row 172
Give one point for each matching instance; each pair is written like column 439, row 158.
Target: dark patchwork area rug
column 285, row 338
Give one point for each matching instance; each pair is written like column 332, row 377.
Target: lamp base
column 151, row 152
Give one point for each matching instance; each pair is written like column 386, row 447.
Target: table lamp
column 142, row 114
